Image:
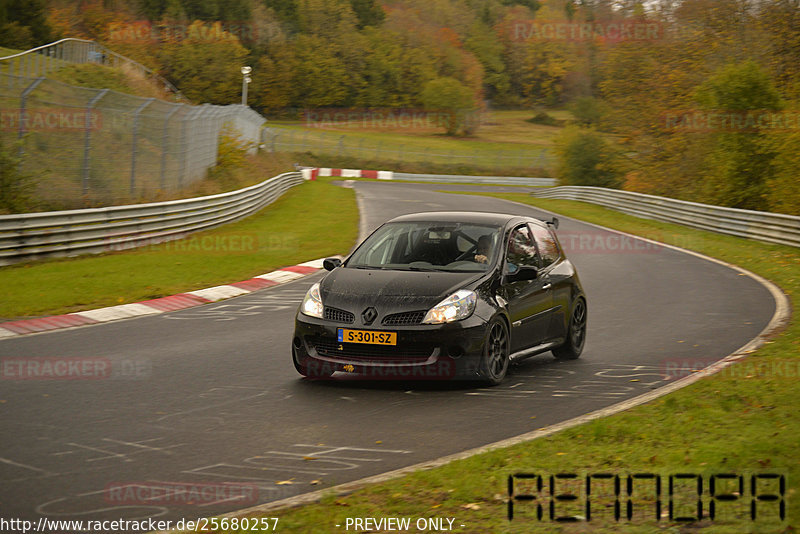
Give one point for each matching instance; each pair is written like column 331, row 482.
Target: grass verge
column 506, row 143
column 122, row 80
column 310, row 221
column 741, row 420
column 469, row 169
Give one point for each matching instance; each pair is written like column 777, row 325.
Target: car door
column 528, row 301
column 550, row 258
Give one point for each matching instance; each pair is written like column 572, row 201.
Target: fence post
column 185, row 145
column 164, row 141
column 135, row 136
column 87, row 138
column 23, row 118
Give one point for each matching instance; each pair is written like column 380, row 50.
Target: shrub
column 589, row 111
column 231, row 156
column 587, row 158
column 16, row 187
column 542, row 117
column 452, row 97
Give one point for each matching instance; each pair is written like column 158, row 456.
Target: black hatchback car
column 443, row 295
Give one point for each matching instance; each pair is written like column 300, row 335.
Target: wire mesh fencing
column 92, row 147
column 42, row 60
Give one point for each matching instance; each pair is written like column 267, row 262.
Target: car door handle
column 548, row 285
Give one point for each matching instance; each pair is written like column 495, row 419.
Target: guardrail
column 456, row 179
column 38, row 61
column 310, row 173
column 96, row 230
column 759, row 225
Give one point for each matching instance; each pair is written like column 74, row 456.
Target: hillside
column 650, row 74
column 117, row 79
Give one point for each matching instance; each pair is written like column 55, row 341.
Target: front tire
column 495, row 353
column 576, row 335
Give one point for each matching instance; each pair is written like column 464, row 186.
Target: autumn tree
column 24, row 24
column 368, row 12
column 455, row 100
column 742, row 160
column 206, row 65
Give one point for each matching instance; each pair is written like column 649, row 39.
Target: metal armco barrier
column 461, row 179
column 759, row 225
column 96, row 230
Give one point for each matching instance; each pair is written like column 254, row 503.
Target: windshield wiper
column 415, row 268
column 378, row 267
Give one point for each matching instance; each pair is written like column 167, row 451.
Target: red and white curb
column 159, row 305
column 312, row 173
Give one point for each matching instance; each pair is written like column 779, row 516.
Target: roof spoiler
column 553, row 222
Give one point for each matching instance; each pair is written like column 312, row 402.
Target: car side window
column 546, row 244
column 521, row 250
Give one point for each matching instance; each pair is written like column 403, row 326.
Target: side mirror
column 525, row 272
column 554, row 223
column 331, row 263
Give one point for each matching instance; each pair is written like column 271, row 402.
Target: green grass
column 743, row 419
column 310, row 221
column 8, row 51
column 102, row 77
column 505, row 141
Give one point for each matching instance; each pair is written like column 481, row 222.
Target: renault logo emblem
column 369, row 315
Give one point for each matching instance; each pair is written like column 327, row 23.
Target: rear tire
column 495, row 353
column 576, row 334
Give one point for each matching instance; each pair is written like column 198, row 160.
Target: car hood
column 404, row 289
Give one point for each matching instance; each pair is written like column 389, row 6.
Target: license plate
column 345, row 335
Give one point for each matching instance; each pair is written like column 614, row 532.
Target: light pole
column 245, row 80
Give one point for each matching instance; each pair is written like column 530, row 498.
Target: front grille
column 375, row 353
column 339, row 316
column 405, row 318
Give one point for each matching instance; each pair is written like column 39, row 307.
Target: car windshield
column 429, row 246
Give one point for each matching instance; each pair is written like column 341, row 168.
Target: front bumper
column 423, row 352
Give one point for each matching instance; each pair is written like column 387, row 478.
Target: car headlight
column 457, row 306
column 312, row 303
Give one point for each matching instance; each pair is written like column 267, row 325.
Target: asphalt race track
column 208, row 397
